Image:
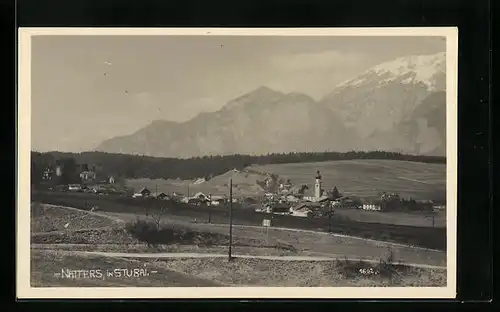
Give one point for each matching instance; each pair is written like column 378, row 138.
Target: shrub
column 150, row 233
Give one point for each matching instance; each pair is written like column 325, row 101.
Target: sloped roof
column 143, row 189
column 156, row 194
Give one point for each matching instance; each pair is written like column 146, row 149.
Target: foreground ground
column 49, row 268
column 57, row 245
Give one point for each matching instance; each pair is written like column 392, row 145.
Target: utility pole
column 330, row 220
column 230, row 217
column 209, row 208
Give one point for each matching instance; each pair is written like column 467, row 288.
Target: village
column 281, row 196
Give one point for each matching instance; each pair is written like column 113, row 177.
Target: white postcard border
column 25, row 291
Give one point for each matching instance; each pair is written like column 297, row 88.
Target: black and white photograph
column 242, row 162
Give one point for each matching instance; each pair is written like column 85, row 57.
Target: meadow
column 368, row 178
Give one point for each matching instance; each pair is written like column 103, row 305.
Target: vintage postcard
column 243, row 163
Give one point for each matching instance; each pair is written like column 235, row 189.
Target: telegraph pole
column 330, row 220
column 209, row 208
column 230, row 217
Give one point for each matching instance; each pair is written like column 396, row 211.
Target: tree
column 69, row 171
column 335, row 193
column 157, row 217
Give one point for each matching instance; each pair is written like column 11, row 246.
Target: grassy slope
column 46, row 218
column 250, row 272
column 365, row 178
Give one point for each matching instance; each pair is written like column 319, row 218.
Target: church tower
column 317, row 186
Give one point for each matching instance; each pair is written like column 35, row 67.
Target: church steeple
column 317, row 185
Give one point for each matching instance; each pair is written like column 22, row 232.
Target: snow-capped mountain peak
column 411, row 69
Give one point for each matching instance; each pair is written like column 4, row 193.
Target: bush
column 144, row 231
column 150, row 233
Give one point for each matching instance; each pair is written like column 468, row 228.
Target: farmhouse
column 280, row 209
column 371, row 207
column 159, row 195
column 196, row 201
column 143, row 192
column 75, row 187
column 216, row 200
column 301, row 210
column 200, row 196
column 292, row 199
column 87, row 175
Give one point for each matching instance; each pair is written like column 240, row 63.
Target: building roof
column 217, row 197
column 159, row 194
column 306, row 205
column 142, row 190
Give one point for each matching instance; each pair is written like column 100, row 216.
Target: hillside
column 396, row 96
column 368, row 178
column 262, row 121
column 363, row 113
column 134, row 166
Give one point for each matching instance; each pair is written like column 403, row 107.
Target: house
column 75, row 188
column 302, row 210
column 439, row 207
column 371, row 207
column 216, row 200
column 196, row 201
column 314, row 199
column 159, row 195
column 200, row 196
column 280, row 209
column 48, row 173
column 266, row 207
column 292, row 199
column 87, row 175
column 143, row 192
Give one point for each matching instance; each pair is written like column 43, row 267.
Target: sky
column 86, row 89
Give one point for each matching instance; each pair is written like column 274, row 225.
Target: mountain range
column 395, row 106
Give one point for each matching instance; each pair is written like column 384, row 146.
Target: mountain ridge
column 372, row 111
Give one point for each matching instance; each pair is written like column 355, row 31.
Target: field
column 437, row 219
column 176, row 261
column 47, row 218
column 366, row 178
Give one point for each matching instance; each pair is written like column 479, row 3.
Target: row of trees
column 41, row 163
column 135, row 166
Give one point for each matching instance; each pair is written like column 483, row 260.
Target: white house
column 74, row 187
column 301, row 210
column 371, row 207
column 200, row 196
column 87, row 175
column 143, row 192
column 216, row 200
